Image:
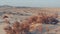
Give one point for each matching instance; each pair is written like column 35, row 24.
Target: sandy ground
column 1, row 29
column 33, row 11
column 54, row 30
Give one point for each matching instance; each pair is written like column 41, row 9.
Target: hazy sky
column 31, row 3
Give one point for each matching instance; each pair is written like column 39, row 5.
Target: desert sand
column 21, row 14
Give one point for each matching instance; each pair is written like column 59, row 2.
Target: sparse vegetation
column 31, row 23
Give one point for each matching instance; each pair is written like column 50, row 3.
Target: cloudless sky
column 31, row 3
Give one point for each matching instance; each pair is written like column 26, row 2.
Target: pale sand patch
column 54, row 31
column 1, row 29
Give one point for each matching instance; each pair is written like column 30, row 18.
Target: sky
column 31, row 3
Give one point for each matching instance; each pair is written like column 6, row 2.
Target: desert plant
column 24, row 27
column 9, row 30
column 16, row 27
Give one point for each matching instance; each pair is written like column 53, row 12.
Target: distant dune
column 27, row 9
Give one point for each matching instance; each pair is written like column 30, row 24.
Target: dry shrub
column 5, row 17
column 16, row 27
column 21, row 28
column 9, row 30
column 32, row 19
column 25, row 27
